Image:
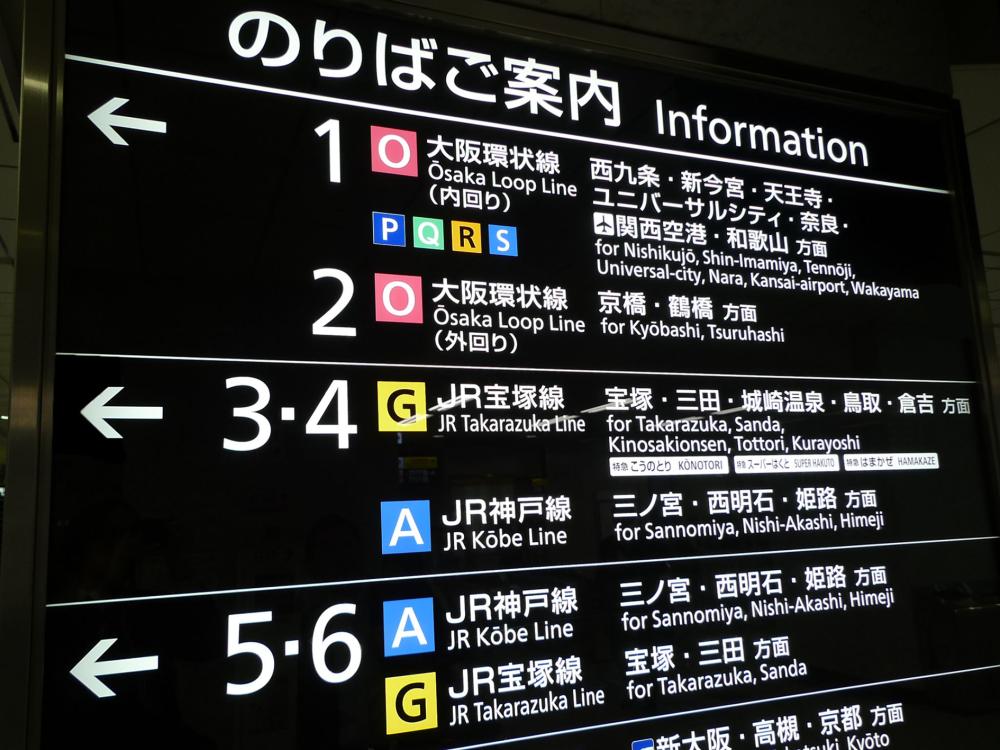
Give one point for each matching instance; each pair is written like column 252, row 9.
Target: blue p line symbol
column 388, row 229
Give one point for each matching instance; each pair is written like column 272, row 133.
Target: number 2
column 322, row 325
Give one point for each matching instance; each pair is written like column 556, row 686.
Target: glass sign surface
column 422, row 386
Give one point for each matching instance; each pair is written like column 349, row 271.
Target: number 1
column 332, row 128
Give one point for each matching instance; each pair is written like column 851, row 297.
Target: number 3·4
column 337, row 391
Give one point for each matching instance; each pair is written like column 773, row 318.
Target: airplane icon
column 604, row 224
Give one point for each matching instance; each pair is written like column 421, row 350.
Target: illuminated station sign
column 420, row 384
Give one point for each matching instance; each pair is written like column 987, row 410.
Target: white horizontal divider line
column 500, row 368
column 488, row 124
column 741, row 704
column 529, row 569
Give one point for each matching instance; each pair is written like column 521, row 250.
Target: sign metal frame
column 24, row 551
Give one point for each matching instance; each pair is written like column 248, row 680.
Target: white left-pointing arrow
column 90, row 669
column 97, row 412
column 106, row 120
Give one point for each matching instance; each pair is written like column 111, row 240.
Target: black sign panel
column 423, row 386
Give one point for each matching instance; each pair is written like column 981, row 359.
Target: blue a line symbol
column 406, row 526
column 408, row 626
